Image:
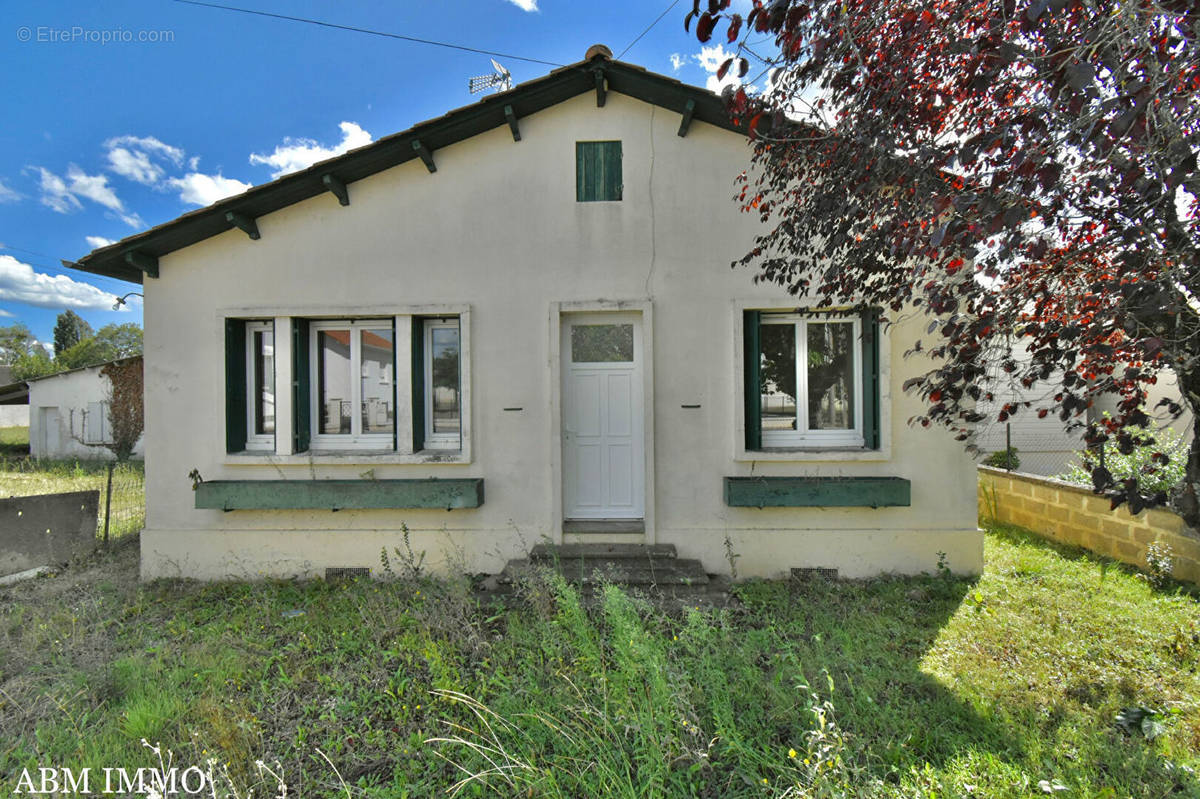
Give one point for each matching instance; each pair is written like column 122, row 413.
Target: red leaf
column 743, row 67
column 754, row 124
column 735, row 25
column 721, row 70
column 704, row 28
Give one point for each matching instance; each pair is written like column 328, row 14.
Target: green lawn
column 24, row 476
column 14, row 442
column 1004, row 686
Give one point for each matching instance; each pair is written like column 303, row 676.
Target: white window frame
column 802, row 436
column 259, row 442
column 355, row 439
column 441, row 440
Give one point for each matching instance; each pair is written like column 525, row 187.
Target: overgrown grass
column 14, row 442
column 22, row 477
column 1004, row 686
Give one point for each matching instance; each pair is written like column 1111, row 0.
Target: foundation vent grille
column 346, row 572
column 808, row 573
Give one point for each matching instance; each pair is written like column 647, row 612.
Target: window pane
column 378, row 372
column 444, row 389
column 830, row 375
column 264, row 382
column 333, row 380
column 778, row 370
column 601, row 343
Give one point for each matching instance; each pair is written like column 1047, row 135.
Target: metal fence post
column 108, row 502
column 1008, row 458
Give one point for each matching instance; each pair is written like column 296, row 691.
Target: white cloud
column 96, row 242
column 525, row 5
column 710, row 60
column 135, row 157
column 4, row 313
column 20, row 283
column 62, row 194
column 8, row 195
column 55, row 193
column 200, row 189
column 677, row 61
column 296, row 154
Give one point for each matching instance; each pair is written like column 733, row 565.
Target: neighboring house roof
column 84, row 368
column 137, row 255
column 14, row 393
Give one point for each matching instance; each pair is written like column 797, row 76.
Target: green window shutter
column 870, row 378
column 598, row 171
column 610, row 157
column 752, row 377
column 418, row 383
column 301, row 387
column 235, row 385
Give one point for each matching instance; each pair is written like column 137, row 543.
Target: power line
column 371, row 32
column 640, row 35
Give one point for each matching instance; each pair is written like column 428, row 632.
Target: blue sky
column 126, row 114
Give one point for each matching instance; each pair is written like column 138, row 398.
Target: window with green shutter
column 598, row 171
column 811, row 381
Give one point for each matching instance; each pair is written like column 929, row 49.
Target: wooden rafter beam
column 244, row 223
column 426, row 156
column 144, row 262
column 689, row 111
column 511, row 116
column 598, row 74
column 337, row 188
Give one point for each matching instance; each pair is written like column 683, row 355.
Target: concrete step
column 562, row 552
column 631, row 571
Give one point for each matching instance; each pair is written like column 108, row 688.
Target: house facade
column 69, row 416
column 514, row 324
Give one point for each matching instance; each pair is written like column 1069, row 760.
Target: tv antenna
column 501, row 80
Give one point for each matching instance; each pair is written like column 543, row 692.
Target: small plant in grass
column 1160, row 563
column 412, row 564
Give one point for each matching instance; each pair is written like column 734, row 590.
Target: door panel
column 603, row 448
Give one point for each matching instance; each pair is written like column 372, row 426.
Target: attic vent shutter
column 752, row 377
column 235, row 385
column 598, row 174
column 870, row 378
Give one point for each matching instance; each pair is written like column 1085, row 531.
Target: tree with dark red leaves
column 1021, row 172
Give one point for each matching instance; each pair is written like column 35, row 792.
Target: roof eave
column 455, row 126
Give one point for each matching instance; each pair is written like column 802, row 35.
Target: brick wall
column 1074, row 515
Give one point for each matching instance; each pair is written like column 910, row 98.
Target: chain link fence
column 122, row 488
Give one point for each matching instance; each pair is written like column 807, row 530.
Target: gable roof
column 137, row 255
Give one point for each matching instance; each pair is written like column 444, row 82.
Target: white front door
column 50, row 433
column 603, row 446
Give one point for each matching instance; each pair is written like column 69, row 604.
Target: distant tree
column 15, row 341
column 69, row 330
column 87, row 352
column 35, row 362
column 126, row 417
column 120, row 341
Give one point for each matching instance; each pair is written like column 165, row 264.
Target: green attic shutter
column 752, row 377
column 598, row 175
column 870, row 378
column 235, row 385
column 301, row 387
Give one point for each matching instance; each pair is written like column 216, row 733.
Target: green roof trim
column 136, row 256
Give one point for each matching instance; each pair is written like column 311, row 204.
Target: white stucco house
column 517, row 323
column 68, row 416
